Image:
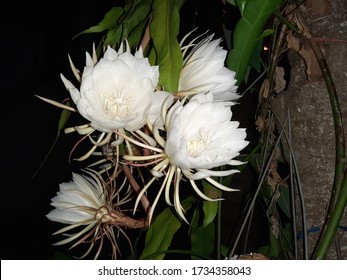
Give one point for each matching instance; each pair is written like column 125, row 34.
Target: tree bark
column 312, row 127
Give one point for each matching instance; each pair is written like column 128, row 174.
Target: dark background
column 35, row 41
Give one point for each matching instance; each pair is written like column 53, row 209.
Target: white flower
column 203, row 70
column 85, row 204
column 116, row 91
column 201, row 135
column 77, row 201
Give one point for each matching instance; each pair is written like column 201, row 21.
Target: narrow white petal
column 74, row 92
column 179, row 209
column 74, row 70
column 170, row 174
column 57, row 104
column 220, row 186
column 201, row 194
column 220, row 173
column 89, row 60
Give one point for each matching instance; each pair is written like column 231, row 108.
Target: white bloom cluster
column 185, row 134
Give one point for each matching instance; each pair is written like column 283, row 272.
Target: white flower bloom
column 77, row 201
column 116, row 91
column 201, row 136
column 203, row 70
column 85, row 204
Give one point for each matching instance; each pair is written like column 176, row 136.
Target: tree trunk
column 312, row 126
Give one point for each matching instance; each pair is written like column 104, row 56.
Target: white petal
column 89, row 60
column 75, row 94
column 204, row 71
column 155, row 111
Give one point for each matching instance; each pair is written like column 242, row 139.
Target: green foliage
column 128, row 22
column 203, row 239
column 284, row 200
column 203, row 232
column 248, row 32
column 164, row 29
column 160, row 234
column 162, row 231
column 107, row 23
column 134, row 22
column 210, row 208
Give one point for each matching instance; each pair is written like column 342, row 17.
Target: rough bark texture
column 306, row 97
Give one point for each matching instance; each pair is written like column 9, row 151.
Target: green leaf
column 152, row 56
column 267, row 32
column 203, row 240
column 164, row 29
column 113, row 37
column 202, row 237
column 136, row 34
column 231, row 2
column 284, row 200
column 224, row 250
column 131, row 24
column 255, row 59
column 210, row 212
column 109, row 20
column 121, row 22
column 64, row 116
column 248, row 32
column 180, row 3
column 210, row 208
column 274, row 247
column 163, row 229
column 137, row 19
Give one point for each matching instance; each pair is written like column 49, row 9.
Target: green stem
column 340, row 161
column 332, row 224
column 219, row 229
column 340, row 164
column 277, row 50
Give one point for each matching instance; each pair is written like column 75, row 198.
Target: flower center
column 196, row 146
column 117, row 103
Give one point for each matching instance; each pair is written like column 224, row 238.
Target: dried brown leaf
column 280, row 82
